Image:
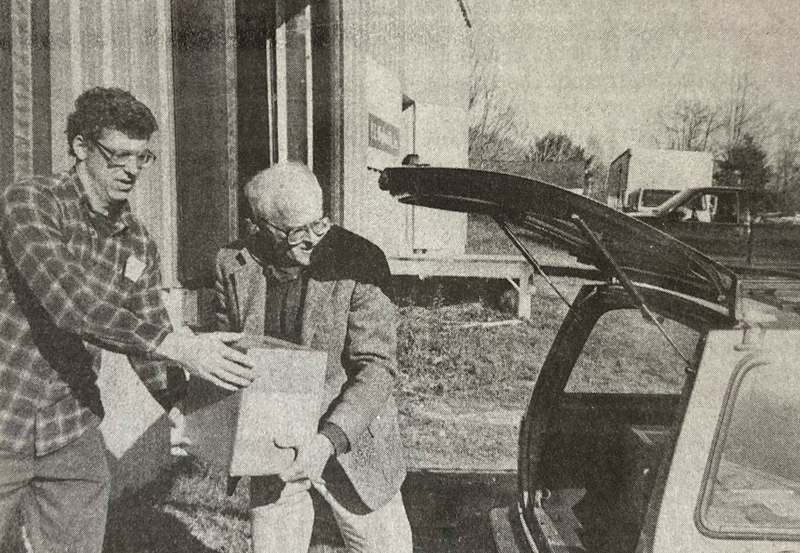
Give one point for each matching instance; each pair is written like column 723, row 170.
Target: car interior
column 606, row 441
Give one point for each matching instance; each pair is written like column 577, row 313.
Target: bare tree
column 747, row 115
column 692, row 125
column 555, row 147
column 786, row 160
column 496, row 133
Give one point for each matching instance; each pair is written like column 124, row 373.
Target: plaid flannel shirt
column 65, row 293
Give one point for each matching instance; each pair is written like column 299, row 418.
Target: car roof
column 554, row 215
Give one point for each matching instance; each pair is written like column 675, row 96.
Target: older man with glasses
column 301, row 279
column 80, row 273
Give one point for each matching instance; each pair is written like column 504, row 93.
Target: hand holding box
column 251, row 432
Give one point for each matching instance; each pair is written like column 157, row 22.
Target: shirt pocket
column 82, row 242
column 107, row 273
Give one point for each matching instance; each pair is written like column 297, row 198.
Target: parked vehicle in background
column 734, row 226
column 641, row 179
column 645, row 200
column 706, row 462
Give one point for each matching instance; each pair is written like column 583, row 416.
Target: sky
column 603, row 71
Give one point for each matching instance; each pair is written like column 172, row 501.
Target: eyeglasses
column 299, row 235
column 121, row 158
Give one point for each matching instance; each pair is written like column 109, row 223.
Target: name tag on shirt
column 134, row 267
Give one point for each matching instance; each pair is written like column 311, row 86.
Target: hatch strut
column 627, row 284
column 529, row 257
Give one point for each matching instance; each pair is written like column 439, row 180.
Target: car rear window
column 626, row 354
column 654, row 198
column 752, row 485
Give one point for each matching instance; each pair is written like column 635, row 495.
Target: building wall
column 669, row 169
column 371, row 80
column 395, row 53
column 435, row 58
column 400, row 53
column 124, row 44
column 614, row 192
column 24, row 89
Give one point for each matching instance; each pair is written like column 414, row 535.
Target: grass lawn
column 464, row 386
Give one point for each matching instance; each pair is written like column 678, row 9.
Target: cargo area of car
column 599, row 464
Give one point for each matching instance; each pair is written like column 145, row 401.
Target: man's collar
column 116, row 221
column 285, row 274
column 275, row 268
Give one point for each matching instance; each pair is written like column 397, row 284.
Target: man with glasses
column 301, row 279
column 80, row 273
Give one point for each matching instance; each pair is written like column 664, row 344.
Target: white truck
column 641, row 179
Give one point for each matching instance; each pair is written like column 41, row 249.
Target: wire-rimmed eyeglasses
column 121, row 158
column 298, row 235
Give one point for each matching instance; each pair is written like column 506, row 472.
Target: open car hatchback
column 710, row 461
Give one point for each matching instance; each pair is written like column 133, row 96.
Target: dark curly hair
column 109, row 108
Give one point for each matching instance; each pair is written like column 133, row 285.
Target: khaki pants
column 64, row 496
column 284, row 525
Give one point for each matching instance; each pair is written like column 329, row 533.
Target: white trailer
column 641, row 179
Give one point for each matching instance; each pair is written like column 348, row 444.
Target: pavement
column 449, row 511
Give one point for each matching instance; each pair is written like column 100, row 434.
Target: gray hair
column 278, row 190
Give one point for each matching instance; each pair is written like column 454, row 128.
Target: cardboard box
column 250, row 432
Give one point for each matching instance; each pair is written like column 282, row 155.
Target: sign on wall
column 383, row 136
column 368, row 210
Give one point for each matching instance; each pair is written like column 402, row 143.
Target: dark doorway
column 254, row 82
column 255, row 87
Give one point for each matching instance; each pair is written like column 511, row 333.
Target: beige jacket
column 346, row 314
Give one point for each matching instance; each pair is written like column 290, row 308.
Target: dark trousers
column 63, row 495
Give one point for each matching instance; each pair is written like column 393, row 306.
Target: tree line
column 739, row 131
column 499, row 139
column 736, row 132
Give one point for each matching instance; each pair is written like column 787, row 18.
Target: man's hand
column 206, row 356
column 310, row 460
